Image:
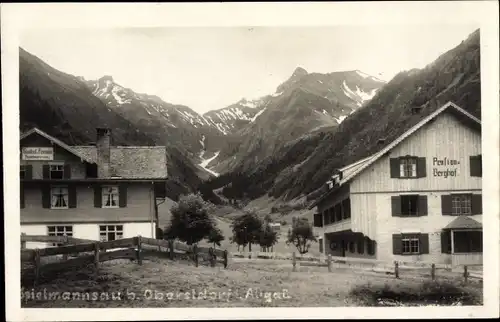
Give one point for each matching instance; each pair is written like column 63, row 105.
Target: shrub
column 423, row 293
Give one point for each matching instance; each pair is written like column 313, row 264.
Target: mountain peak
column 106, row 78
column 299, row 71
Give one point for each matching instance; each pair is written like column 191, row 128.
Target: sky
column 213, row 67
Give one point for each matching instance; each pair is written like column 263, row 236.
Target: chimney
column 103, row 144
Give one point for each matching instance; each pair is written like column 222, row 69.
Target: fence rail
column 425, row 269
column 135, row 248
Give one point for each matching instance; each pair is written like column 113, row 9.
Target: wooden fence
column 91, row 252
column 426, row 269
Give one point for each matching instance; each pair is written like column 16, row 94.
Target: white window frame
column 53, row 167
column 65, row 196
column 408, row 167
column 461, row 204
column 413, row 243
column 105, row 230
column 60, row 230
column 105, row 194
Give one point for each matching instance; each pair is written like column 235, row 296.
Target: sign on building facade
column 33, row 153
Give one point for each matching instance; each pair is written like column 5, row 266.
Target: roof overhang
column 463, row 222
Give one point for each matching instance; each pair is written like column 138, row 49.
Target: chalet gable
column 348, row 173
column 37, row 132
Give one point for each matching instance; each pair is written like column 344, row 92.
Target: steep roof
column 57, row 142
column 133, row 162
column 464, row 222
column 126, row 162
column 351, row 171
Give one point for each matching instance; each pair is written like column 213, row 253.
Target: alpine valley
column 284, row 144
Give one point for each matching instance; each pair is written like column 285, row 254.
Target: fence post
column 37, row 266
column 171, row 248
column 433, row 271
column 329, row 262
column 466, row 274
column 396, row 269
column 66, row 242
column 294, row 262
column 195, row 255
column 139, row 243
column 212, row 256
column 225, row 258
column 96, row 257
column 23, row 242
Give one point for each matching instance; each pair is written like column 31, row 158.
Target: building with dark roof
column 99, row 192
column 418, row 199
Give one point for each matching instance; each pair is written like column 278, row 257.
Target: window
column 461, row 205
column 408, row 167
column 351, row 247
column 22, row 172
column 59, row 197
column 338, row 212
column 409, row 205
column 110, row 232
column 411, row 245
column 346, row 208
column 60, row 231
column 110, row 197
column 56, row 171
column 332, row 215
column 370, row 246
column 468, row 241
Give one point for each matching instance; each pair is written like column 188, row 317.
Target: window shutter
column 421, row 168
column 22, row 196
column 424, row 243
column 347, row 208
column 475, row 166
column 318, row 220
column 446, row 205
column 394, row 167
column 97, row 196
column 477, row 204
column 396, row 244
column 67, row 171
column 72, row 196
column 445, row 241
column 46, row 196
column 28, row 171
column 396, row 206
column 122, row 191
column 46, row 171
column 422, row 206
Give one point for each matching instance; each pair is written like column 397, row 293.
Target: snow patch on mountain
column 340, row 119
column 205, row 163
column 349, row 93
column 365, row 96
column 257, row 115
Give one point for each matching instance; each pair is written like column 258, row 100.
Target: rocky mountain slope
column 166, row 121
column 64, row 106
column 305, row 102
column 300, row 168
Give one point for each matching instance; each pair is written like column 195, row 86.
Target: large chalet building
column 418, row 199
column 98, row 192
